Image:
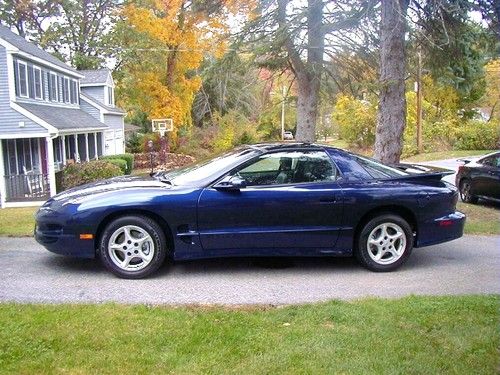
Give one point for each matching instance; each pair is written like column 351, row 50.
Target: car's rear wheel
column 466, row 192
column 133, row 247
column 384, row 243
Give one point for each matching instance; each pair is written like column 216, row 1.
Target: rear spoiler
column 422, row 172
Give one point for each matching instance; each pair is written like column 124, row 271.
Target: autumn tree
column 165, row 43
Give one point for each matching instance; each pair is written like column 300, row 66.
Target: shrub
column 133, row 144
column 120, row 163
column 83, row 173
column 356, row 120
column 127, row 158
column 478, row 135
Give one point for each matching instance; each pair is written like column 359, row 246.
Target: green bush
column 120, row 163
column 127, row 158
column 478, row 135
column 356, row 120
column 133, row 144
column 83, row 173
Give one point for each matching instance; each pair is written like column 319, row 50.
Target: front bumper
column 442, row 229
column 59, row 236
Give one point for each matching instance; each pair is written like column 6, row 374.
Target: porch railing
column 26, row 187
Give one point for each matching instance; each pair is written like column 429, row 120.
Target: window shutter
column 31, row 82
column 49, row 85
column 59, row 88
column 42, row 77
column 16, row 77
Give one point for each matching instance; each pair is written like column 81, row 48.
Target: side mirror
column 231, row 183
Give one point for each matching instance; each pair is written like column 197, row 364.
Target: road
column 470, row 265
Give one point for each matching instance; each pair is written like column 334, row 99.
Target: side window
column 378, row 170
column 290, row 167
column 491, row 161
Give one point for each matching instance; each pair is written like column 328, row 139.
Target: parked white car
column 287, row 136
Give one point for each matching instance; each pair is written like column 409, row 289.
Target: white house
column 50, row 115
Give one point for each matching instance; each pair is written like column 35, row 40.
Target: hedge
column 128, row 158
column 84, row 173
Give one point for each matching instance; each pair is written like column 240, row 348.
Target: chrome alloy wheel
column 131, row 248
column 386, row 243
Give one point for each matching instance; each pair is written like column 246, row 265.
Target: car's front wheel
column 466, row 192
column 384, row 243
column 133, row 247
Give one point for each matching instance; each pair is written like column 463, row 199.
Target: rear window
column 378, row 170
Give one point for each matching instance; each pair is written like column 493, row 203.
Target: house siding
column 115, row 122
column 9, row 121
column 97, row 92
column 44, row 82
column 91, row 110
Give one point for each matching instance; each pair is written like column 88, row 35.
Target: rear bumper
column 442, row 229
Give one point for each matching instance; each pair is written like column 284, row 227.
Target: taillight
column 445, row 223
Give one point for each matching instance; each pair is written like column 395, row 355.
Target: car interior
column 288, row 170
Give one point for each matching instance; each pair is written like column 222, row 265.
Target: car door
column 486, row 179
column 291, row 201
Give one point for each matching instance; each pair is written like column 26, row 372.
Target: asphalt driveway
column 470, row 265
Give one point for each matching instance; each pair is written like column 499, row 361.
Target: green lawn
column 17, row 222
column 482, row 218
column 417, row 335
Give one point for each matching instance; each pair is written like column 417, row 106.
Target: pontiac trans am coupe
column 290, row 199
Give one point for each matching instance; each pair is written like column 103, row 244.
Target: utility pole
column 283, row 114
column 420, row 146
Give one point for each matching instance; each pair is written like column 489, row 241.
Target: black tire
column 395, row 225
column 465, row 192
column 154, row 247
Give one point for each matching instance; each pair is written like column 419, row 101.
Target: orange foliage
column 167, row 83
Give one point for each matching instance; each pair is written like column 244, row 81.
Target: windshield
column 208, row 170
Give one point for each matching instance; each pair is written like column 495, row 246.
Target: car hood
column 112, row 184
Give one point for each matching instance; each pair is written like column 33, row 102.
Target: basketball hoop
column 162, row 126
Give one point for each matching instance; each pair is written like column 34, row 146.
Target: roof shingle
column 93, row 77
column 31, row 49
column 64, row 118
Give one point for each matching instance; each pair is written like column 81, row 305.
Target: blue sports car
column 290, row 199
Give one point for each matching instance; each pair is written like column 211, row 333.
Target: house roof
column 30, row 48
column 131, row 127
column 64, row 119
column 93, row 77
column 97, row 103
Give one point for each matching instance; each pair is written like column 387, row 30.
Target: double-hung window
column 53, row 89
column 23, row 79
column 37, row 73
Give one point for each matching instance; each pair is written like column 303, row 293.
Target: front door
column 291, row 201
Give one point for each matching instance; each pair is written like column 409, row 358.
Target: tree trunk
column 307, row 107
column 391, row 120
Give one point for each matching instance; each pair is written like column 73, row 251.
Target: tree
column 27, row 16
column 229, row 83
column 76, row 31
column 164, row 45
column 491, row 99
column 392, row 102
column 289, row 35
